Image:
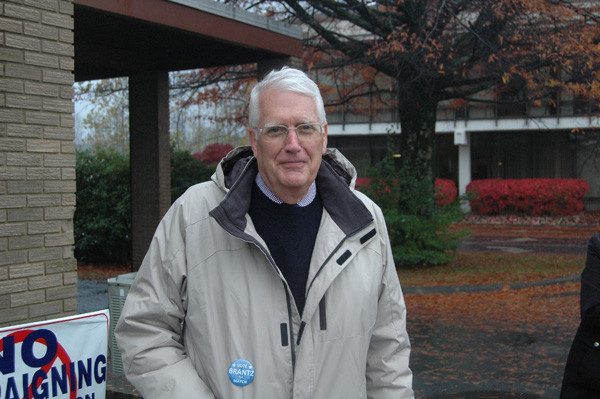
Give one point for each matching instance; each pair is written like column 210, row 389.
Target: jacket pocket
column 345, row 316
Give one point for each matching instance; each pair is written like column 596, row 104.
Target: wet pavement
column 91, row 295
column 566, row 246
column 455, row 360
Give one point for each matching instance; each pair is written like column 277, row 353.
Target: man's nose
column 292, row 140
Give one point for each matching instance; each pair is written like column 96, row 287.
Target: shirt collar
column 308, row 198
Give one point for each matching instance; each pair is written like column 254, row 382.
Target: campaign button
column 241, row 372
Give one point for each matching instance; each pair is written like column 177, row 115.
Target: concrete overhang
column 118, row 37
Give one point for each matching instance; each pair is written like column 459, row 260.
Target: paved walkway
column 479, row 361
column 523, row 245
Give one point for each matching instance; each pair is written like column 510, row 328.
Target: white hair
column 286, row 79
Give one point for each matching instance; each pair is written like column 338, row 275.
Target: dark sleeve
column 591, row 317
column 590, row 279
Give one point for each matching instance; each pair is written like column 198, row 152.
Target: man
column 273, row 280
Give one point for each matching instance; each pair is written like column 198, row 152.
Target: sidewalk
column 520, row 238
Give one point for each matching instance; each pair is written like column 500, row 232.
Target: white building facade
column 492, row 142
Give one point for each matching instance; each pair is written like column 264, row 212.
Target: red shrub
column 445, row 190
column 213, row 153
column 528, row 196
column 362, row 182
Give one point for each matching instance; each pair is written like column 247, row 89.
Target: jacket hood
column 237, row 160
column 335, row 181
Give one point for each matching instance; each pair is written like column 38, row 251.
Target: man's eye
column 275, row 130
column 307, row 129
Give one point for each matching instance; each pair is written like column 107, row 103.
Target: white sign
column 63, row 358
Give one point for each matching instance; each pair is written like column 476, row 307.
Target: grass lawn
column 488, row 268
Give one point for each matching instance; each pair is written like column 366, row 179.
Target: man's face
column 287, row 165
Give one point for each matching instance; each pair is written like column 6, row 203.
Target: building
column 475, row 141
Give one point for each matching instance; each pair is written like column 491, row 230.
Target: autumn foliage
column 213, row 153
column 445, row 192
column 528, row 196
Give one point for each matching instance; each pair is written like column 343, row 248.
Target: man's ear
column 252, row 137
column 325, row 130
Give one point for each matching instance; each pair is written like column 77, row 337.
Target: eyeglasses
column 304, row 131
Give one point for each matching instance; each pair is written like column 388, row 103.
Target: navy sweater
column 290, row 232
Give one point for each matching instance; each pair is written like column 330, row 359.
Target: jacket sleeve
column 149, row 331
column 590, row 277
column 388, row 372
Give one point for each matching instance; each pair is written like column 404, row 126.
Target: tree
column 206, row 105
column 437, row 50
column 418, row 225
column 219, row 97
column 106, row 120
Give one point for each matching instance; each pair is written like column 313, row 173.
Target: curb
column 474, row 288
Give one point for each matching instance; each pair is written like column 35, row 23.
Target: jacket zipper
column 322, row 311
column 287, row 298
column 302, row 323
column 331, row 256
column 325, row 262
column 288, row 303
column 289, row 309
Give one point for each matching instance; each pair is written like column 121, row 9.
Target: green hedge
column 418, row 228
column 102, row 220
column 186, row 171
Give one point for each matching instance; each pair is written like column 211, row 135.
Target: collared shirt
column 308, row 198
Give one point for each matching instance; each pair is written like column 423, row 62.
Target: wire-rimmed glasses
column 305, row 132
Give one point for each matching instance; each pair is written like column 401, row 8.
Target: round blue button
column 241, row 372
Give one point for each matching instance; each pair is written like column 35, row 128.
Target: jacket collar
column 236, row 174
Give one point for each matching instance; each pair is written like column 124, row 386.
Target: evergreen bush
column 102, row 220
column 186, row 170
column 417, row 226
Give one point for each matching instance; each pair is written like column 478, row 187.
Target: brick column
column 150, row 157
column 37, row 161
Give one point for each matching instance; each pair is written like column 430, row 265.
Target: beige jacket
column 209, row 293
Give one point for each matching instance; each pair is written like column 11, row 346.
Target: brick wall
column 37, row 161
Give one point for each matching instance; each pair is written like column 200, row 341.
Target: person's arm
column 388, row 373
column 149, row 332
column 590, row 284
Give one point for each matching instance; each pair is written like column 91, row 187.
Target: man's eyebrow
column 297, row 122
